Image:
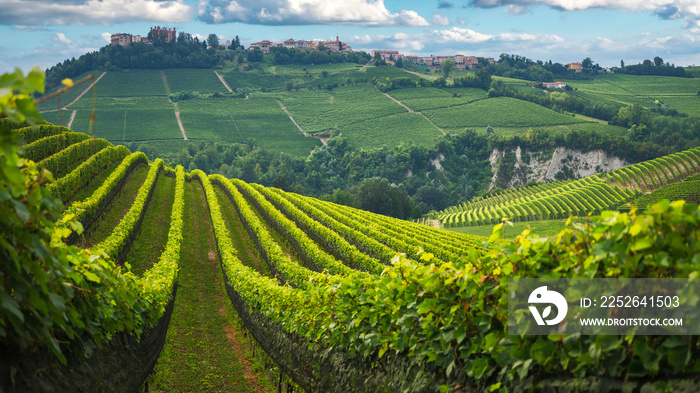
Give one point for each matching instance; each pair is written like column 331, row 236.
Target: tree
column 587, row 63
column 447, row 66
column 235, row 43
column 379, row 196
column 399, row 62
column 658, row 61
column 213, row 41
column 647, row 62
column 204, row 44
column 622, row 64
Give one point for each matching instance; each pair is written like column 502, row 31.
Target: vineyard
column 133, row 107
column 592, row 194
column 338, row 299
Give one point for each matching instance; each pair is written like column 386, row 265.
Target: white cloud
column 455, row 39
column 516, row 9
column 457, row 34
column 60, row 37
column 305, row 12
column 106, row 37
column 85, row 12
column 664, row 9
column 682, row 49
column 440, row 20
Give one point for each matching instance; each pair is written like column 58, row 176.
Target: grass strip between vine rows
column 199, row 354
column 152, row 237
column 118, row 239
column 158, row 281
column 247, row 250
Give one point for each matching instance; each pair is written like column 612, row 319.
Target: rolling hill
column 278, row 105
column 338, row 299
column 593, row 194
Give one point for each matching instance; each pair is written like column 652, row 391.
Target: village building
column 554, row 85
column 577, row 67
column 163, row 34
column 335, row 46
column 122, row 39
column 264, row 46
column 386, row 55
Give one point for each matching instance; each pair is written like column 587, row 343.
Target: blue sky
column 43, row 33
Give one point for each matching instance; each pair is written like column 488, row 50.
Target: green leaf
column 9, row 304
column 479, row 366
column 91, row 276
column 383, row 350
column 642, row 243
column 21, row 210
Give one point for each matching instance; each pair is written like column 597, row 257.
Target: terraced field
column 593, row 194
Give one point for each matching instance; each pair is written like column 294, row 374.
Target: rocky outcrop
column 544, row 166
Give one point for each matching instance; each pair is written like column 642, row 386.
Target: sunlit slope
column 346, row 300
column 562, row 199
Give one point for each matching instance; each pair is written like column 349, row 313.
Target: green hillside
column 133, row 106
column 593, row 194
column 330, row 294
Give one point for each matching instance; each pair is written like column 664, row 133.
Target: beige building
column 122, row 39
column 264, row 46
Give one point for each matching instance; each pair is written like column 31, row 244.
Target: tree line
column 408, row 174
column 186, row 51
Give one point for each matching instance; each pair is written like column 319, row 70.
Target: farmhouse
column 264, row 46
column 335, row 46
column 122, row 39
column 386, row 54
column 577, row 67
column 554, row 85
column 125, row 39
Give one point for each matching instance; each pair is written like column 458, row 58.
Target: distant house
column 577, row 67
column 554, row 85
column 304, row 45
column 163, row 34
column 122, row 39
column 290, row 44
column 338, row 46
column 386, row 54
column 264, row 46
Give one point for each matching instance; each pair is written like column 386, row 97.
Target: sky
column 42, row 33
